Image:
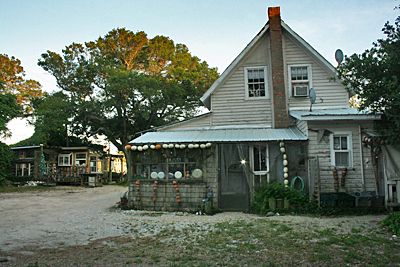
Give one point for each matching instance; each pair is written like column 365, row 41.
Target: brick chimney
column 278, row 79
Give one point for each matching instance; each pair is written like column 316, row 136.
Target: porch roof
column 333, row 114
column 221, row 135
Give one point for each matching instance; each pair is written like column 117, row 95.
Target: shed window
column 80, row 159
column 341, row 151
column 255, row 82
column 65, row 159
column 95, row 164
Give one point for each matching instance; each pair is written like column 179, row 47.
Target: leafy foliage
column 392, row 223
column 6, row 160
column 375, row 77
column 9, row 109
column 12, row 75
column 275, row 190
column 124, row 83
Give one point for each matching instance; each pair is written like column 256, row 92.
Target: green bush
column 6, row 160
column 392, row 223
column 275, row 190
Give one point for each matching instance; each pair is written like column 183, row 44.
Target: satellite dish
column 313, row 98
column 339, row 56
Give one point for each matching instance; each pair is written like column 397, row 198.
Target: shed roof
column 221, row 135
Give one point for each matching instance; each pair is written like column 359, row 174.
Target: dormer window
column 300, row 80
column 255, row 82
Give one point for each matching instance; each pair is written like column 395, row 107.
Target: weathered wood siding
column 194, row 123
column 333, row 93
column 322, row 150
column 191, row 191
column 229, row 103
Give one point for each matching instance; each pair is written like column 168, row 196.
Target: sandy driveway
column 69, row 216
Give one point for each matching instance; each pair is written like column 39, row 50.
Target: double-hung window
column 341, row 150
column 259, row 159
column 95, row 164
column 255, row 80
column 300, row 80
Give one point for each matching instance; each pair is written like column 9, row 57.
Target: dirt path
column 69, row 216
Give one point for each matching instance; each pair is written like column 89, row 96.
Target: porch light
column 243, row 161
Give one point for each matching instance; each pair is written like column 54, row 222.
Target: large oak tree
column 124, row 83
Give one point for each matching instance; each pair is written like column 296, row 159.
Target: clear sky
column 216, row 31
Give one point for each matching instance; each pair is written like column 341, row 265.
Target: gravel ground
column 74, row 216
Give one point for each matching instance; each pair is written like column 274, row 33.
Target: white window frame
column 76, row 159
column 69, row 156
column 251, row 157
column 97, row 164
column 293, row 83
column 246, row 81
column 349, row 149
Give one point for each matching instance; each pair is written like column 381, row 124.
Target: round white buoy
column 190, row 146
column 284, row 156
column 285, row 162
column 133, row 148
column 285, row 175
column 202, row 146
column 196, row 145
column 283, row 150
column 164, row 146
column 140, row 148
column 145, row 147
column 208, row 145
column 153, row 147
column 182, row 146
column 281, row 144
column 177, row 146
column 171, row 146
column 285, row 169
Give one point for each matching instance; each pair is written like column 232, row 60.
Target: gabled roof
column 206, row 98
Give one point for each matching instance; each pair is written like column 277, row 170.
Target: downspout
column 362, row 157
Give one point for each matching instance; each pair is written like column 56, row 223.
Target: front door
column 234, row 192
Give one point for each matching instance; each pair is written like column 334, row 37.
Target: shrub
column 275, row 190
column 392, row 223
column 6, row 160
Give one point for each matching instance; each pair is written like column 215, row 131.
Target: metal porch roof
column 221, row 135
column 332, row 114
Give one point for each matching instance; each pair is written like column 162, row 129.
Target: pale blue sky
column 214, row 30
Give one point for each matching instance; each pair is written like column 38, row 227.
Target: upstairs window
column 255, row 82
column 300, row 80
column 341, row 150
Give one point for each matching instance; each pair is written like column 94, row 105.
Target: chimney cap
column 274, row 12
